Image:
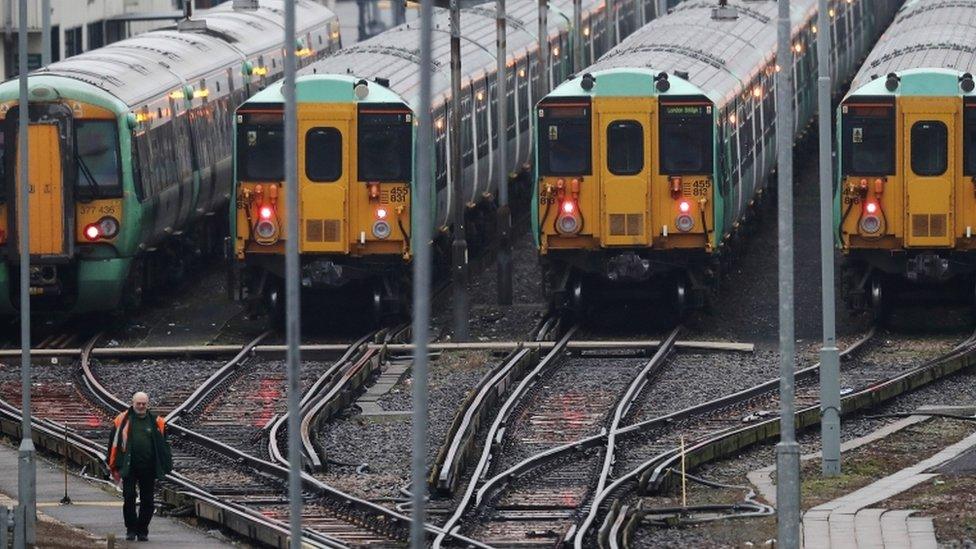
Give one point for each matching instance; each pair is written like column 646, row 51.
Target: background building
column 77, row 26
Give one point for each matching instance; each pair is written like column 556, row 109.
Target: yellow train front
column 906, row 195
column 354, row 174
column 619, row 205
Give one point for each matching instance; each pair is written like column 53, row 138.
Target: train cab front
column 355, row 147
column 905, row 201
column 74, row 203
column 625, row 186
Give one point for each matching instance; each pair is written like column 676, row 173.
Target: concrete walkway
column 96, row 509
column 850, row 521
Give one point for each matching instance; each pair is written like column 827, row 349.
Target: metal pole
column 45, row 33
column 829, row 354
column 578, row 35
column 662, row 8
column 543, row 48
column 292, row 301
column 27, row 467
column 459, row 250
column 504, row 215
column 422, row 280
column 787, row 451
column 611, row 27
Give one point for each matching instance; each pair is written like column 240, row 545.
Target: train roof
column 928, row 41
column 142, row 67
column 395, row 53
column 719, row 55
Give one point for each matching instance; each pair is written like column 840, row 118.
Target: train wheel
column 878, row 299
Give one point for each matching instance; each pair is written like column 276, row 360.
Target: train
column 357, row 113
column 906, row 138
column 130, row 154
column 652, row 160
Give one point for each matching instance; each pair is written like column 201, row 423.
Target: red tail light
column 381, row 213
column 266, row 212
column 871, row 207
column 568, row 207
column 91, row 232
column 684, row 206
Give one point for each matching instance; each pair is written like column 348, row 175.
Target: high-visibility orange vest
column 120, row 439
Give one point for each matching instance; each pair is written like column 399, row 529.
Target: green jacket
column 119, row 460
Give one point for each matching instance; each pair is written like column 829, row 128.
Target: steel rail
column 496, row 430
column 460, row 439
column 341, row 393
column 636, row 387
column 368, row 513
column 273, row 449
column 201, row 350
column 90, row 454
column 207, row 388
column 569, row 450
column 652, row 474
column 452, row 458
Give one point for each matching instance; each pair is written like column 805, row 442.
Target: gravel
column 387, row 456
column 488, row 320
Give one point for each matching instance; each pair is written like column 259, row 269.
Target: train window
column 867, row 140
column 564, row 140
column 625, row 147
column 3, row 162
column 97, row 156
column 969, row 139
column 686, row 138
column 137, row 182
column 385, row 144
column 323, row 154
column 260, row 152
column 930, row 148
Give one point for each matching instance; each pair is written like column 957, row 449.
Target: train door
column 324, row 146
column 930, row 166
column 47, row 192
column 624, row 170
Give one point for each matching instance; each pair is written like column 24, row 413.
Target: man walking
column 138, row 453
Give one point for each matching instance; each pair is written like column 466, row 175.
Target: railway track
column 560, row 400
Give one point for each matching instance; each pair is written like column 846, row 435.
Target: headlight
column 381, row 229
column 684, row 223
column 568, row 224
column 870, row 224
column 265, row 229
column 108, row 227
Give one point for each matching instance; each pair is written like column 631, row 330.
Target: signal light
column 381, row 213
column 871, row 207
column 91, row 232
column 684, row 206
column 568, row 207
column 266, row 212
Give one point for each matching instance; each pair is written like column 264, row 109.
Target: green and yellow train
column 650, row 160
column 130, row 154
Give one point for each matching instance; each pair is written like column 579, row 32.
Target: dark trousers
column 146, row 481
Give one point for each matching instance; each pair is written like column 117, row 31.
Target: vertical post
column 544, row 83
column 829, row 355
column 459, row 249
column 45, row 32
column 26, row 470
column 578, row 35
column 661, row 7
column 421, row 279
column 608, row 16
column 503, row 218
column 66, row 500
column 684, row 478
column 787, row 451
column 292, row 301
